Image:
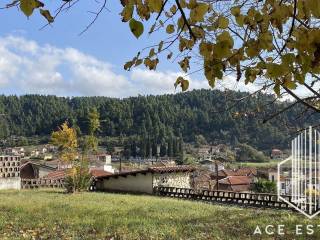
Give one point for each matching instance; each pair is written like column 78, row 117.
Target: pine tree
column 154, row 148
column 148, row 147
column 170, row 148
column 143, row 147
column 163, row 149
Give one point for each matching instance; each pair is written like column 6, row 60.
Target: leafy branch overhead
column 28, row 6
column 275, row 42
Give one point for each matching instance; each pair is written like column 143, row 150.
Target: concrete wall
column 140, row 183
column 178, row 180
column 10, row 183
column 144, row 183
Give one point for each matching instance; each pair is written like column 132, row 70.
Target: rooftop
column 165, row 169
column 236, row 180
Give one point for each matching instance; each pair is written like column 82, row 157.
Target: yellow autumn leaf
column 47, row 15
column 155, row 5
column 235, row 11
column 197, row 14
column 170, row 29
column 27, row 6
column 223, row 22
column 184, row 85
column 127, row 13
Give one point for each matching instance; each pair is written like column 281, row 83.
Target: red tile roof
column 236, row 180
column 168, row 169
column 58, row 174
column 246, row 171
column 99, row 173
column 225, row 173
column 237, row 172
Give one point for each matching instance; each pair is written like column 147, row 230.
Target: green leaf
column 47, row 15
column 136, row 27
column 27, row 6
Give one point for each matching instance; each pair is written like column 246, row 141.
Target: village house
column 276, row 154
column 35, row 153
column 10, row 172
column 239, row 180
column 30, row 170
column 58, row 164
column 235, row 184
column 272, row 175
column 211, row 165
column 15, row 151
column 143, row 181
column 201, row 180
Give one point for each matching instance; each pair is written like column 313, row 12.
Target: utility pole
column 120, row 167
column 217, row 179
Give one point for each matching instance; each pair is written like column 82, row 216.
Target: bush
column 264, row 186
column 78, row 179
column 250, row 154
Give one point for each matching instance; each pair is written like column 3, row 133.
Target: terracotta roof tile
column 99, row 173
column 246, row 171
column 236, row 180
column 58, row 174
column 167, row 169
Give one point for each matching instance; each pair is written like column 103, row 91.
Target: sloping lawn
column 50, row 214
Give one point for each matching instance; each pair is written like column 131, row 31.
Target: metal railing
column 239, row 198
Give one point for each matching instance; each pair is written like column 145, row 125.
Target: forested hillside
column 199, row 112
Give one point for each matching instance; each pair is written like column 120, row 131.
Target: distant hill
column 198, row 112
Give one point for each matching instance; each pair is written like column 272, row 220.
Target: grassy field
column 48, row 214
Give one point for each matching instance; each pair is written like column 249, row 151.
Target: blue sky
column 56, row 60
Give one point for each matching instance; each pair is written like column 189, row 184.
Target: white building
column 143, row 181
column 107, row 167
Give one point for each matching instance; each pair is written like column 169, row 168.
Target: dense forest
column 219, row 117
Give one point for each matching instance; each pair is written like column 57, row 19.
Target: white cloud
column 27, row 67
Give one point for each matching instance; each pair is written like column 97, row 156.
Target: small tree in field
column 65, row 138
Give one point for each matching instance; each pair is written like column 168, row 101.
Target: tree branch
column 185, row 19
column 300, row 100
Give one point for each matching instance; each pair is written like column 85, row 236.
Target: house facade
column 143, row 181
